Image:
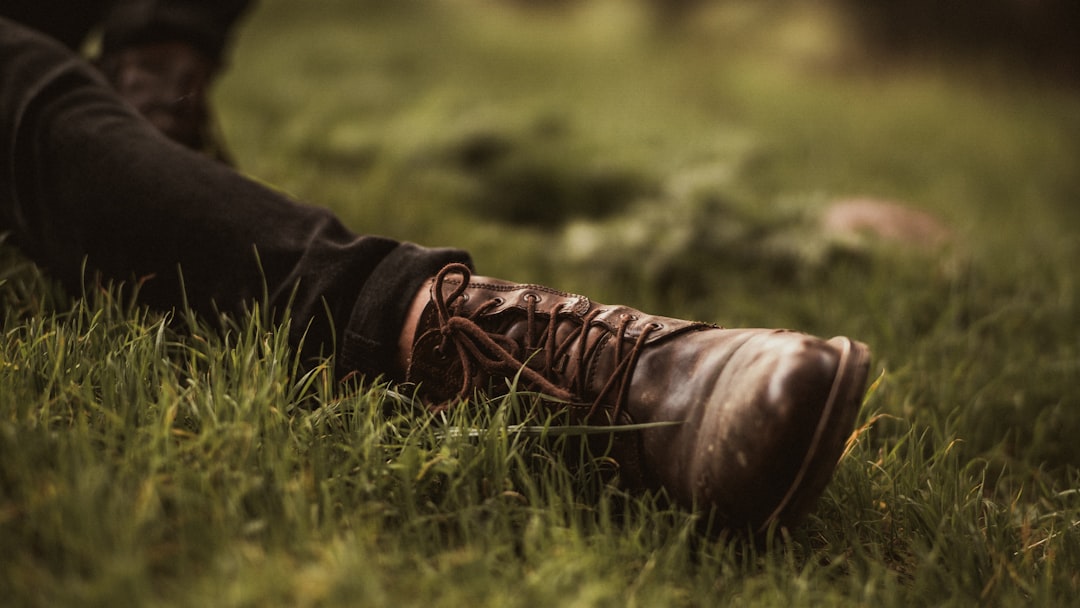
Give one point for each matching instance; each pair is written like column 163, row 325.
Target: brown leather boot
column 168, row 83
column 760, row 416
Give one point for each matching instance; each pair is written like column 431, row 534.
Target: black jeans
column 85, row 180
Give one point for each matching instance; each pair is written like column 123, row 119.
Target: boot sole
column 833, row 429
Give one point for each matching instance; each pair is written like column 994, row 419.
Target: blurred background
column 568, row 124
column 1034, row 36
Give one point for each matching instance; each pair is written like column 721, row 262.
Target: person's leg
column 169, row 84
column 162, row 57
column 82, row 176
column 752, row 422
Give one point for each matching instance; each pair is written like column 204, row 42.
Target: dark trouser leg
column 83, row 177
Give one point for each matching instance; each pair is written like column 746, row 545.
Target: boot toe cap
column 769, row 427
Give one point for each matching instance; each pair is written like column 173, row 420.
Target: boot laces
column 496, row 354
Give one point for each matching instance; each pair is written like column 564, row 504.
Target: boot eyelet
column 530, row 297
column 498, row 301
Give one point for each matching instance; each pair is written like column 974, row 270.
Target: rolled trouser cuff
column 370, row 340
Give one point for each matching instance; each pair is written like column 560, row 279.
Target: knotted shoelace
column 494, row 354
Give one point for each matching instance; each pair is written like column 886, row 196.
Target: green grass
column 146, row 459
